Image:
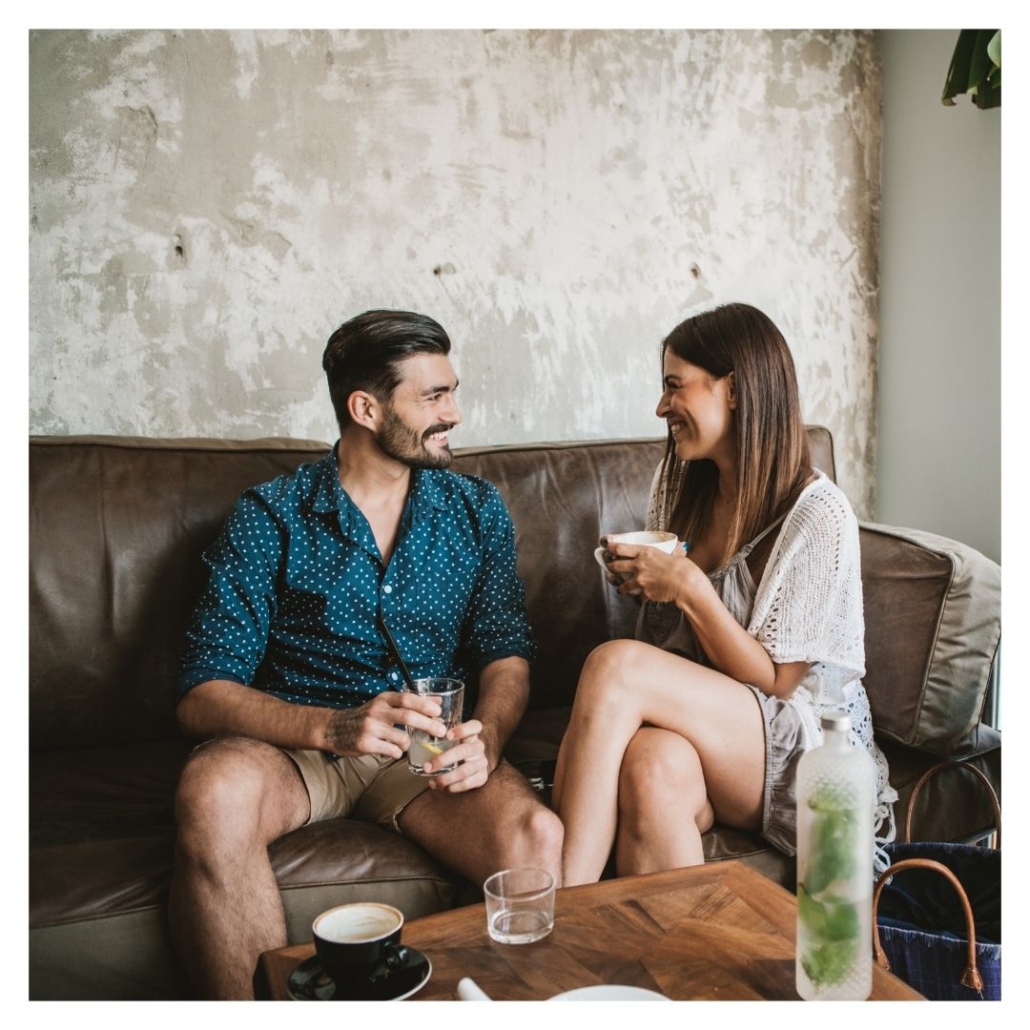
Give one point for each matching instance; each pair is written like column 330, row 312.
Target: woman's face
column 698, row 409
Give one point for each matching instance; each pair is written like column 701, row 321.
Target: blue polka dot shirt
column 296, row 584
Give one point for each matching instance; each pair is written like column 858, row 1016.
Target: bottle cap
column 836, row 720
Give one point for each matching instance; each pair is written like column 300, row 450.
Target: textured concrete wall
column 207, row 206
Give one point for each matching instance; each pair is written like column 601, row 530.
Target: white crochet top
column 807, row 608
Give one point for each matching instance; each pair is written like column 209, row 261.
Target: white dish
column 610, row 992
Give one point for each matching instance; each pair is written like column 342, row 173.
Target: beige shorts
column 371, row 788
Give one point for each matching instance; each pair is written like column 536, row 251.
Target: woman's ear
column 731, row 389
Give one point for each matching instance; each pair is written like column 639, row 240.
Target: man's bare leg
column 234, row 798
column 497, row 826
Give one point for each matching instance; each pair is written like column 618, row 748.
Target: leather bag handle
column 971, row 975
column 921, row 782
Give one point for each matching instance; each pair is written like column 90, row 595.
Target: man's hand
column 378, row 726
column 503, row 693
column 470, row 752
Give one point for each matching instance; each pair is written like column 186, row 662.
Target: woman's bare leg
column 663, row 804
column 624, row 685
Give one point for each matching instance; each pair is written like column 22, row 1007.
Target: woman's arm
column 730, row 648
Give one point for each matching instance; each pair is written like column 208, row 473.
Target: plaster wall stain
column 208, row 206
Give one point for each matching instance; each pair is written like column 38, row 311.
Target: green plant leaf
column 832, row 937
column 842, row 922
column 957, row 79
column 832, row 853
column 810, row 912
column 979, row 62
column 994, row 49
column 973, row 67
column 829, row 963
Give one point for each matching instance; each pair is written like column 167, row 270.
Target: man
column 288, row 676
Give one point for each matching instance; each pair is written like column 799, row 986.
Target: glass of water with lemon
column 423, row 746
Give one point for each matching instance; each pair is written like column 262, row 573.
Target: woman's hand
column 651, row 574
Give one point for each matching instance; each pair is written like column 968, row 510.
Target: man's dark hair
column 365, row 353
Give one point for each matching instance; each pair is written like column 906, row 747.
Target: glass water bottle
column 836, row 797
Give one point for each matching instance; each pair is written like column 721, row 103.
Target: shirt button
column 388, row 589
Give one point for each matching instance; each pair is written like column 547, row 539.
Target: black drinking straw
column 392, row 645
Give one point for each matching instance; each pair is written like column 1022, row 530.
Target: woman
column 740, row 645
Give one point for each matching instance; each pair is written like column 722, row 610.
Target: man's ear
column 364, row 409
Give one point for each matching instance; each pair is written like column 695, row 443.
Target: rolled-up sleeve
column 228, row 633
column 496, row 623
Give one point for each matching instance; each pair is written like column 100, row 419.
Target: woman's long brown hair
column 773, row 459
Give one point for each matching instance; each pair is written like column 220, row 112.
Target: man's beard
column 402, row 443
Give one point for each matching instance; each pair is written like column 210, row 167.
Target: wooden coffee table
column 717, row 931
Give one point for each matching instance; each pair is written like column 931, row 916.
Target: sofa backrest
column 118, row 525
column 116, row 529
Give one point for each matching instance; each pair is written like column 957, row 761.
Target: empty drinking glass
column 519, row 905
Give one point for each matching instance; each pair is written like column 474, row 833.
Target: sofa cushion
column 933, row 625
column 953, row 805
column 101, row 833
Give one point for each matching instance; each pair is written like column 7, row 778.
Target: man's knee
column 528, row 829
column 235, row 792
column 547, row 835
column 501, row 825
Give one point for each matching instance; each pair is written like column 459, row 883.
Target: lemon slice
column 432, row 748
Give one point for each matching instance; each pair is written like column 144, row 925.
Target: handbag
column 938, row 926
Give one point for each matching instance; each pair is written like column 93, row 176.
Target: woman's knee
column 611, row 671
column 661, row 775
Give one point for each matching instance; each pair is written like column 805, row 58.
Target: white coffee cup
column 667, row 542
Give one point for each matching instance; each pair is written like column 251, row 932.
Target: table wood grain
column 717, row 931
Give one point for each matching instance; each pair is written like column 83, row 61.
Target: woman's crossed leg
column 604, row 769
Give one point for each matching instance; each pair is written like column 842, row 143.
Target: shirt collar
column 329, row 495
column 427, row 491
column 426, row 488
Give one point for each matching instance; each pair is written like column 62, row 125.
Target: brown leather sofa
column 117, row 526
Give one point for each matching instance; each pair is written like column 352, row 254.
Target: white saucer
column 610, row 992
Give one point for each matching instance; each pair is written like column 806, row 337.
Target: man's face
column 420, row 413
